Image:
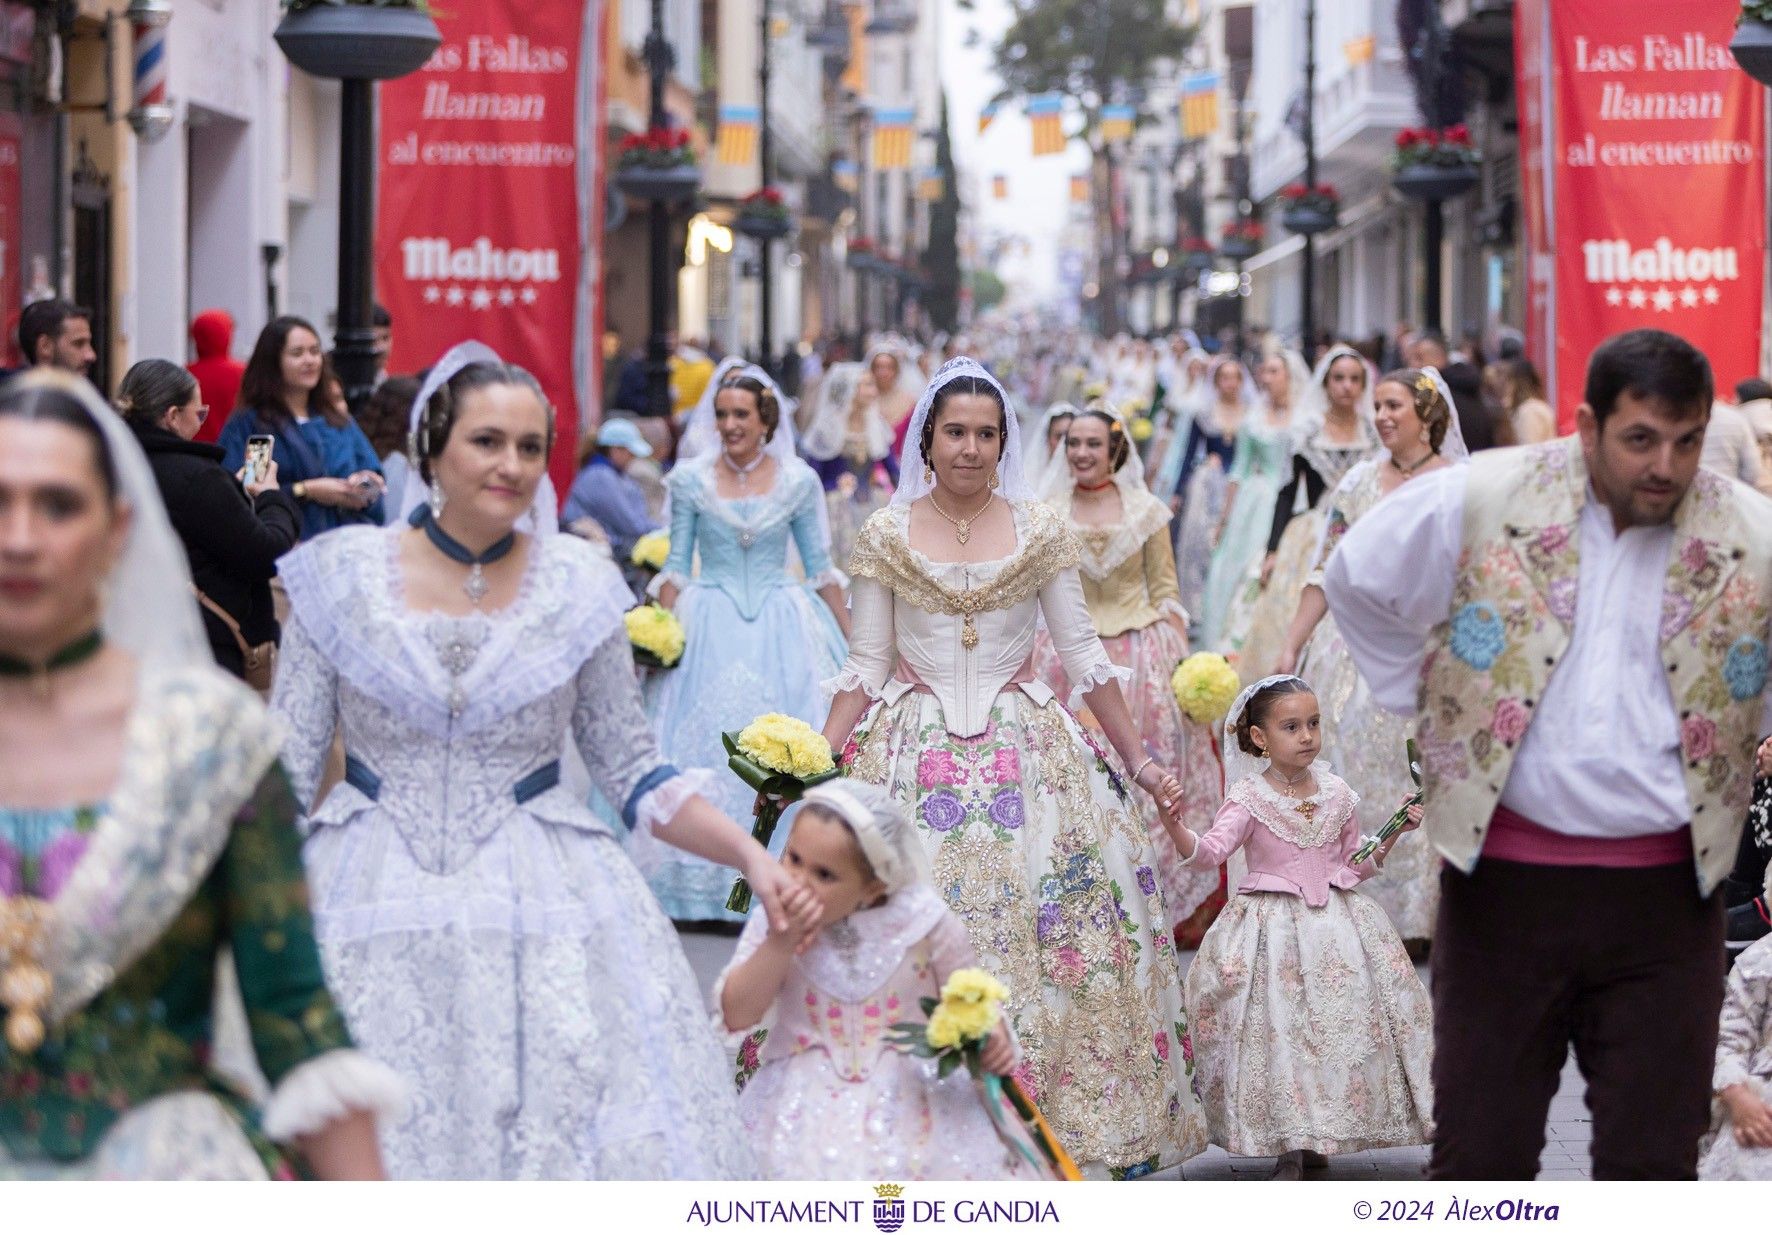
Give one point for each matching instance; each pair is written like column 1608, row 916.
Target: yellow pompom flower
column 655, row 629
column 1205, row 686
column 651, row 550
column 1142, row 428
column 786, row 744
column 943, row 1032
column 973, row 985
column 973, row 1020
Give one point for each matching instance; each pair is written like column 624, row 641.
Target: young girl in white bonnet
column 832, row 1097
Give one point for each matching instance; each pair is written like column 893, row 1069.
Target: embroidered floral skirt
column 1036, row 849
column 1311, row 1030
column 1181, row 745
column 1367, row 747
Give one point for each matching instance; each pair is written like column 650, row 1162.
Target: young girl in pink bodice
column 833, row 1096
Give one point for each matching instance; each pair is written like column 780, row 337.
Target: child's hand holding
column 1415, row 816
column 997, row 1055
column 801, row 909
column 1750, row 1115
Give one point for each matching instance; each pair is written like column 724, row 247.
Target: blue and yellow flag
column 986, row 116
column 737, row 145
column 894, row 130
column 1046, row 118
column 1117, row 122
column 1199, row 105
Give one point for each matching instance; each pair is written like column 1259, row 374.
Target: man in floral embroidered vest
column 1582, row 627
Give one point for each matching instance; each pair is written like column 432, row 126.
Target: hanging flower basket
column 1435, row 165
column 861, row 256
column 1242, row 239
column 763, row 216
column 1752, row 44
column 1196, row 255
column 1310, row 209
column 658, row 166
column 371, row 40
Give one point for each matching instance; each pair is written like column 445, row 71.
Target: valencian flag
column 738, row 135
column 986, row 116
column 1199, row 105
column 1046, row 117
column 1079, row 188
column 1360, row 50
column 1116, row 122
column 894, row 127
column 999, row 186
column 930, row 184
column 847, row 175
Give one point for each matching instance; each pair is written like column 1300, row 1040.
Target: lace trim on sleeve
column 657, row 798
column 1174, row 608
column 848, row 679
column 1098, row 675
column 327, row 1088
column 675, row 578
column 826, row 577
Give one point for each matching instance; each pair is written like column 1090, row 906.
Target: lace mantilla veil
column 1057, row 477
column 149, row 608
column 1012, row 484
column 543, row 518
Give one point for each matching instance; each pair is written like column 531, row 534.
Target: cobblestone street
column 1567, row 1132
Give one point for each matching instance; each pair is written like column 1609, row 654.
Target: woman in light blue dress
column 757, row 638
column 1258, row 467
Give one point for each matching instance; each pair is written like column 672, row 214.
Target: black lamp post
column 1307, row 314
column 765, row 245
column 660, row 60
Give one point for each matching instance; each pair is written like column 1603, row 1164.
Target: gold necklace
column 962, row 527
column 1302, row 806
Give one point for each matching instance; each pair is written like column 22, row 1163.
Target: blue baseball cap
column 625, row 434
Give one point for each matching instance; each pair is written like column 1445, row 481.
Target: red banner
column 1652, row 210
column 483, row 199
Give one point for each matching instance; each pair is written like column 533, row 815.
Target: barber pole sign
column 486, row 225
column 151, row 114
column 1643, row 169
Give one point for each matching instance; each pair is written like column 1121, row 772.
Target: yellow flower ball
column 1142, row 428
column 973, row 1020
column 651, row 550
column 973, row 985
column 786, row 744
column 943, row 1032
column 1205, row 686
column 655, row 630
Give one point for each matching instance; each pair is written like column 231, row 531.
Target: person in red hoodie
column 217, row 372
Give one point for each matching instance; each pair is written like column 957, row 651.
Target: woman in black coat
column 232, row 534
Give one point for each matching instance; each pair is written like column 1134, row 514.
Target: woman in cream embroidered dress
column 1032, row 839
column 145, row 827
column 1336, row 433
column 1418, row 426
column 485, row 931
column 757, row 639
column 1128, row 573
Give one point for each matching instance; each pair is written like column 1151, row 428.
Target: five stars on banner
column 1664, row 298
column 478, row 298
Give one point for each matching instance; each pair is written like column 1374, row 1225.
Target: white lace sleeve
column 1074, row 637
column 327, row 1088
column 872, row 641
column 305, row 698
column 619, row 748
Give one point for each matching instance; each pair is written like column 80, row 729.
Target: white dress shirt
column 1601, row 758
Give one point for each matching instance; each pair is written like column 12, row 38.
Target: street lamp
column 1307, row 315
column 660, row 60
column 765, row 269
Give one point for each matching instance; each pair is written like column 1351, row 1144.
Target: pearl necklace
column 742, row 472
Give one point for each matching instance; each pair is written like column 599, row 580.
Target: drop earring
column 437, row 498
column 928, row 474
column 995, row 479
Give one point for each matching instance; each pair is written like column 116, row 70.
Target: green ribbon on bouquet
column 1398, row 821
column 776, row 791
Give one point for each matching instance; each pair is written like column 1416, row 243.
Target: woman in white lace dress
column 1418, row 426
column 483, row 929
column 1030, row 832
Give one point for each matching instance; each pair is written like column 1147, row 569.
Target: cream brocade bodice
column 1128, row 567
column 965, row 630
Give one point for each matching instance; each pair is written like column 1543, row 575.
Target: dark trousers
column 1625, row 965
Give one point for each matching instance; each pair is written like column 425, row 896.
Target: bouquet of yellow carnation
column 780, row 757
column 1141, row 428
column 656, row 634
column 970, row 1007
column 651, row 550
column 1205, row 686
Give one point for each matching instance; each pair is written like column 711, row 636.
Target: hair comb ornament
column 1424, row 382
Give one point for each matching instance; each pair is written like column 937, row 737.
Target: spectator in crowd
column 604, row 493
column 1516, row 394
column 216, row 370
column 1730, row 447
column 386, row 420
column 233, row 535
column 1753, row 397
column 330, row 468
column 58, row 335
column 382, row 322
